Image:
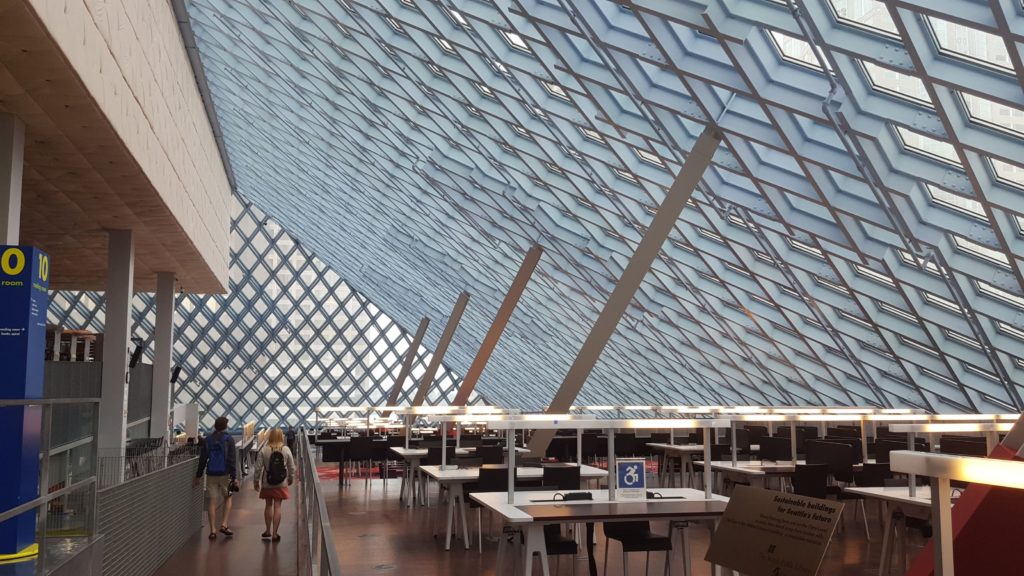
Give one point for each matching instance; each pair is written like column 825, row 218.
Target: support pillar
column 442, row 347
column 12, row 159
column 410, row 359
column 116, row 340
column 163, row 356
column 490, row 341
column 664, row 221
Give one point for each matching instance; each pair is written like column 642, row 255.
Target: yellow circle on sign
column 17, row 256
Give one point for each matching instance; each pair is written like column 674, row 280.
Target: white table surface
column 898, row 494
column 687, row 448
column 758, row 467
column 522, row 473
column 498, row 501
column 417, row 453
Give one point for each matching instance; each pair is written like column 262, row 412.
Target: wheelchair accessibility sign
column 631, row 477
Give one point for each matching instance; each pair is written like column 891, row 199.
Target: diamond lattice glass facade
column 857, row 240
column 290, row 335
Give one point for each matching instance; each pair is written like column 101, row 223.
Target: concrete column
column 163, row 356
column 116, row 339
column 12, row 157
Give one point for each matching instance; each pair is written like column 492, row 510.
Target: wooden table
column 454, row 479
column 530, row 511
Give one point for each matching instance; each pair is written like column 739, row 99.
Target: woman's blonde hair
column 276, row 438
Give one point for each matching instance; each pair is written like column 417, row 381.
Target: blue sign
column 631, row 474
column 24, row 298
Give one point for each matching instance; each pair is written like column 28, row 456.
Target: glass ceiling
column 858, row 239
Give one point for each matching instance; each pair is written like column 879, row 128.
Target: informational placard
column 24, row 297
column 770, row 533
column 631, row 478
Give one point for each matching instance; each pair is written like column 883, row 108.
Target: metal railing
column 137, row 461
column 320, row 556
column 66, row 509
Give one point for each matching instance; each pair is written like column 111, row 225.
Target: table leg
column 535, row 544
column 883, row 569
column 458, row 493
column 502, row 549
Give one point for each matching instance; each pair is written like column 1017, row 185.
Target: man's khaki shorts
column 218, row 484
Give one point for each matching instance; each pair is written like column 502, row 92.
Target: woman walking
column 275, row 472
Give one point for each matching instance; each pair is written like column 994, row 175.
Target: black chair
column 562, row 476
column 360, row 450
column 811, row 480
column 492, row 479
column 776, row 448
column 434, row 456
column 492, row 454
column 756, row 432
column 636, row 536
column 559, row 544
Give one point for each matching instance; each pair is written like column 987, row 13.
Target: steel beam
column 410, row 359
column 671, row 207
column 490, row 341
column 442, row 347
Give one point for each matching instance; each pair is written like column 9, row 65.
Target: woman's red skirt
column 274, row 493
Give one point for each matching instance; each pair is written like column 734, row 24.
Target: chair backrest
column 626, row 529
column 837, row 457
column 776, row 448
column 468, row 461
column 434, row 455
column 858, row 452
column 396, row 440
column 491, row 441
column 963, row 446
column 562, row 476
column 360, row 448
column 756, row 432
column 659, row 437
column 811, row 480
column 492, row 479
column 491, row 454
column 883, row 447
column 874, row 474
column 841, row 432
column 721, row 452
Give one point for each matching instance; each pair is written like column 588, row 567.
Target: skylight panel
column 649, row 157
column 795, row 50
column 999, row 294
column 394, row 24
column 435, row 69
column 896, row 84
column 831, row 285
column 981, row 251
column 993, row 114
column 978, row 371
column 970, row 44
column 908, row 258
column 627, row 176
column 1010, row 330
column 709, row 234
column 520, row 130
column 444, row 44
column 484, row 90
column 516, row 41
column 499, row 67
column 897, row 312
column 458, row 18
column 870, row 14
column 875, row 276
column 928, row 146
column 1007, row 173
column 806, row 248
column 941, row 302
column 763, row 257
column 962, row 204
column 958, row 337
column 918, row 346
column 592, row 135
column 556, row 91
column 855, row 319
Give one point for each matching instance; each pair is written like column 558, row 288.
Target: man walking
column 217, row 459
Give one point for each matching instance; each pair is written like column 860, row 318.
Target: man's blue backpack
column 217, row 452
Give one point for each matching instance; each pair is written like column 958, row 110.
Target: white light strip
column 953, row 427
column 991, row 471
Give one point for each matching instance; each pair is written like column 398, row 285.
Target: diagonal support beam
column 490, row 341
column 442, row 347
column 665, row 219
column 410, row 359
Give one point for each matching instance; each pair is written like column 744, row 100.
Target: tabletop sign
column 770, row 533
column 631, row 478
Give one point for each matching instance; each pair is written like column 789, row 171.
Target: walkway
column 245, row 553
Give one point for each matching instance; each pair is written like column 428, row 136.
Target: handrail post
column 44, row 486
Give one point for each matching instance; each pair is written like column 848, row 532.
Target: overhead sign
column 769, row 533
column 631, row 478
